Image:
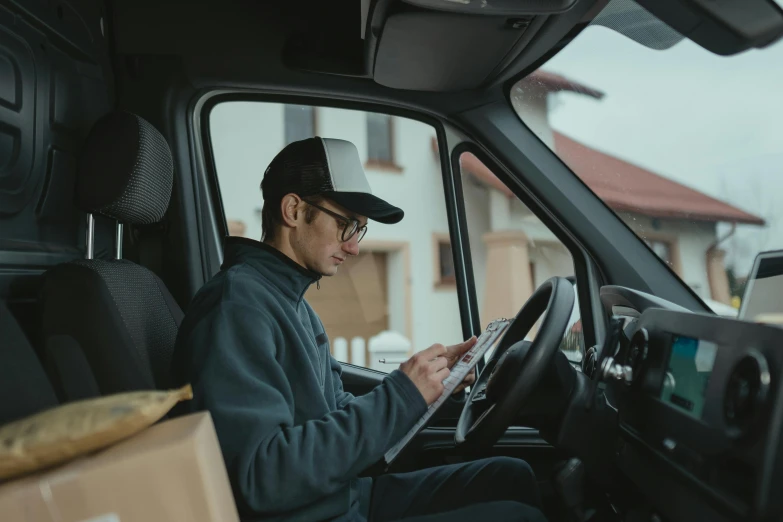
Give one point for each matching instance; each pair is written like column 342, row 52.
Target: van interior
column 111, row 219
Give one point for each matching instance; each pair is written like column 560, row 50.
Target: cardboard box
column 172, row 471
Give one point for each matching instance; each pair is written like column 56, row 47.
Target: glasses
column 351, row 227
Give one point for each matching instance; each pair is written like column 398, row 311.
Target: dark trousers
column 493, row 489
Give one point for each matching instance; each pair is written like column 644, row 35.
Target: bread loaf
column 62, row 433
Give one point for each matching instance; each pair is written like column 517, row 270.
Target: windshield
column 684, row 145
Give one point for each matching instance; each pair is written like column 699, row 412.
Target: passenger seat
column 24, row 388
column 113, row 321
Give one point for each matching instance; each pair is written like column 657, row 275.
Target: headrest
column 126, row 171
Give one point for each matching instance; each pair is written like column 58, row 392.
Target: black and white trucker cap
column 330, row 168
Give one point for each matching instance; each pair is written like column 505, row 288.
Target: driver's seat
column 109, row 325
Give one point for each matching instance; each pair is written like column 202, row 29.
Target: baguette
column 59, row 434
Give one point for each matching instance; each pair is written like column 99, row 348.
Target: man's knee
column 511, row 479
column 511, row 467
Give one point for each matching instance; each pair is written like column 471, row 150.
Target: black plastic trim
column 612, row 295
column 462, row 264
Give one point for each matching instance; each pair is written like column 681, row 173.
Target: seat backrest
column 24, row 388
column 116, row 313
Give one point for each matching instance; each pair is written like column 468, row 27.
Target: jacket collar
column 285, row 274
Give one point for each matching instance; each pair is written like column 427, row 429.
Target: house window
column 380, row 146
column 445, row 275
column 662, row 249
column 299, row 122
column 532, row 275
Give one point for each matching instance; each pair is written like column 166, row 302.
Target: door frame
column 402, row 249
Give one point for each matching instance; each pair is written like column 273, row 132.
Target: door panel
column 358, row 380
column 353, row 302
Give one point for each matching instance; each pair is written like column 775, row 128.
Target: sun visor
column 439, row 51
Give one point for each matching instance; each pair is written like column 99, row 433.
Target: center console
column 700, row 415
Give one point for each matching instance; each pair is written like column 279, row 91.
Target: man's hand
column 455, row 352
column 429, row 368
column 469, row 379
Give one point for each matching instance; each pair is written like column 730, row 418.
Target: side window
column 299, row 122
column 667, row 248
column 236, row 227
column 513, row 252
column 387, row 302
column 380, row 139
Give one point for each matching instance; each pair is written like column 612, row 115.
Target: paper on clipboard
column 488, row 339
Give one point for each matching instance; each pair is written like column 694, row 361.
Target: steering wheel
column 517, row 366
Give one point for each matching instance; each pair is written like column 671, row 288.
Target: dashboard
column 699, row 409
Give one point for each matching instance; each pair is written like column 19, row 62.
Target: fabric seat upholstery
column 116, row 313
column 24, row 388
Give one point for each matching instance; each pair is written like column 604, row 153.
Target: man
column 258, row 358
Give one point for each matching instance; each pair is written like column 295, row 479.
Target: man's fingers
column 456, row 351
column 467, row 381
column 439, row 363
column 442, row 374
column 461, row 348
column 436, row 350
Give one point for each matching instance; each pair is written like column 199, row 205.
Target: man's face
column 319, row 243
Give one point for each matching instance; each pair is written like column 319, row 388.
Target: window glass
column 666, row 251
column 379, row 138
column 662, row 250
column 386, row 303
column 686, row 149
column 446, row 273
column 236, row 227
column 513, row 252
column 299, row 122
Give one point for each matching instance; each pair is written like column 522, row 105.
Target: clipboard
column 490, row 338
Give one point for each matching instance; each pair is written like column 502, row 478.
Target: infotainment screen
column 688, row 374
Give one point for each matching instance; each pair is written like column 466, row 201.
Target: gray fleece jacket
column 258, row 358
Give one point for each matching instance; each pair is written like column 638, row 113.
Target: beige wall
column 716, row 272
column 692, row 241
column 508, row 281
column 550, row 259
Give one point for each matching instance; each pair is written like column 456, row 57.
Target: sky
column 710, row 122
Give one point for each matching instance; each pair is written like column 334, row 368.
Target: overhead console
column 457, row 45
column 433, row 45
column 437, row 45
column 700, row 414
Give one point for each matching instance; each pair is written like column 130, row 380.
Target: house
column 404, row 280
column 678, row 222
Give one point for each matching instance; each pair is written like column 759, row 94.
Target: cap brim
column 367, row 205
